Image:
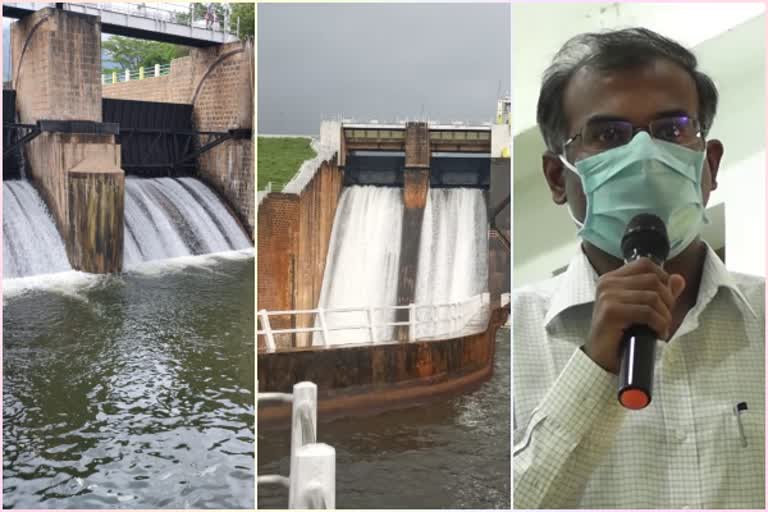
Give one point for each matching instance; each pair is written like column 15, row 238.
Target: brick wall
column 223, row 100
column 292, row 246
column 56, row 59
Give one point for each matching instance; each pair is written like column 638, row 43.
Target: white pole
column 303, row 421
column 313, row 486
column 323, row 326
column 370, row 325
column 127, row 75
column 412, row 322
column 157, row 70
column 267, row 330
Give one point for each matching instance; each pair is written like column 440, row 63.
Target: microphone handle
column 638, row 355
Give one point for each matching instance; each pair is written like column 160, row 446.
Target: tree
column 130, row 53
column 245, row 11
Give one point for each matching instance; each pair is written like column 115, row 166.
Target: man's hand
column 639, row 292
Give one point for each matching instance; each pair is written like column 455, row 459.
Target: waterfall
column 167, row 218
column 31, row 242
column 363, row 258
column 364, row 254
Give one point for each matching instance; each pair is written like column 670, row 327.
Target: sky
column 389, row 62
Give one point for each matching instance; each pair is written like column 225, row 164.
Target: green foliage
column 247, row 23
column 129, row 53
column 279, row 158
column 245, row 11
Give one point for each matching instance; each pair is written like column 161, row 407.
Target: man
column 625, row 116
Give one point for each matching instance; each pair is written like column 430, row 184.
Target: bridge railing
column 178, row 14
column 312, row 480
column 127, row 75
column 353, row 325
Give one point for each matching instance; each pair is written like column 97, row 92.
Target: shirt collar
column 578, row 285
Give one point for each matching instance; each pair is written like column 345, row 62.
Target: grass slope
column 279, row 159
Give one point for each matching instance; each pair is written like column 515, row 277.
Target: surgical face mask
column 644, row 176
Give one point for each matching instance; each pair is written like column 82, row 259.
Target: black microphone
column 645, row 236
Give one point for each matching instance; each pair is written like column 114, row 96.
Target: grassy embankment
column 279, row 159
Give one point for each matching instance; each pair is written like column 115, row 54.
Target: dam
column 383, row 278
column 128, row 287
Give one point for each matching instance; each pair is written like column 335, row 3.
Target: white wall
column 742, row 190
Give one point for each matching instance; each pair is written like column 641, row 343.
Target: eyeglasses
column 602, row 134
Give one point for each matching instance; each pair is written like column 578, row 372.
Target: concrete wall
column 294, row 231
column 57, row 63
column 380, row 376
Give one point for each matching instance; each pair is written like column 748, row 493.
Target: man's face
column 637, row 95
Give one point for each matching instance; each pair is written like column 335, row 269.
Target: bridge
column 142, row 21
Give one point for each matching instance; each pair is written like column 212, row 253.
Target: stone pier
column 56, row 59
column 415, row 192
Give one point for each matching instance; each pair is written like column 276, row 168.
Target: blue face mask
column 644, row 176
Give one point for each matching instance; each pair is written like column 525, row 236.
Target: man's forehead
column 635, row 93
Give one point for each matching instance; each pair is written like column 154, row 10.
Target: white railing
column 127, row 75
column 364, row 324
column 312, row 480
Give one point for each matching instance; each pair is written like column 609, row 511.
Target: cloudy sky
column 388, row 62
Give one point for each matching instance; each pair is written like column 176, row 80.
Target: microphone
column 645, row 236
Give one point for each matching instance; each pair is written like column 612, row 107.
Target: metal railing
column 424, row 321
column 312, row 480
column 178, row 14
column 128, row 75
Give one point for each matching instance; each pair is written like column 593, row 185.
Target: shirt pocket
column 732, row 455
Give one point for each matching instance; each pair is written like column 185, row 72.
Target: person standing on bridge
column 625, row 116
column 209, row 17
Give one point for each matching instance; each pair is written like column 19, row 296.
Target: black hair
column 607, row 51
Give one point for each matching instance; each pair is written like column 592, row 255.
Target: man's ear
column 554, row 173
column 715, row 152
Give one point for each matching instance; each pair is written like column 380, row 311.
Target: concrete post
column 415, row 192
column 141, row 72
column 157, row 70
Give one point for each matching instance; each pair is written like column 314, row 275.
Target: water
column 453, row 253
column 451, row 454
column 171, row 217
column 31, row 242
column 364, row 254
column 363, row 259
column 453, row 260
column 132, row 390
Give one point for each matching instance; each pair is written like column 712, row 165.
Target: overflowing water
column 168, row 218
column 453, row 257
column 31, row 242
column 363, row 259
column 364, row 255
